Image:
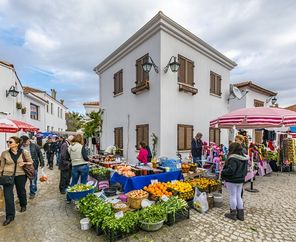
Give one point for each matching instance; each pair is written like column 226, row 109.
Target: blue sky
column 56, row 44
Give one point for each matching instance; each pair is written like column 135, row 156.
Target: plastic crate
column 114, row 235
column 180, row 215
column 98, row 230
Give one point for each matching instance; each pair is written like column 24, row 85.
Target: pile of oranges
column 158, row 189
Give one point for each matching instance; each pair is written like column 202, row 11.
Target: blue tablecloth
column 138, row 182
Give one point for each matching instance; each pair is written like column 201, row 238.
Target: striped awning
column 13, row 126
column 259, row 117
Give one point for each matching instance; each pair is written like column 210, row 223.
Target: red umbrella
column 13, row 126
column 252, row 118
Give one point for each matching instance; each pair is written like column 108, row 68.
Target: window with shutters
column 118, row 138
column 142, row 134
column 258, row 103
column 184, row 136
column 214, row 135
column 186, row 71
column 141, row 75
column 118, row 83
column 215, row 84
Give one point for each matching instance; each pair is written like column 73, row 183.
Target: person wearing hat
column 65, row 165
column 37, row 158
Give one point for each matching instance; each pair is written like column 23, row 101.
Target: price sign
column 164, row 198
column 173, row 181
column 178, row 166
column 154, row 181
column 119, row 215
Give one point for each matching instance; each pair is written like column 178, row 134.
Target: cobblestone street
column 270, row 216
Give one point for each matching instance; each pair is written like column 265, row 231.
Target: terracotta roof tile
column 92, row 103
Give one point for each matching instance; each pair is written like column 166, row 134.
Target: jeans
column 33, row 183
column 58, row 155
column 81, row 172
column 235, row 195
column 197, row 160
column 20, row 184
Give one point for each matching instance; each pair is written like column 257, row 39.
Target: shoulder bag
column 7, row 180
column 28, row 168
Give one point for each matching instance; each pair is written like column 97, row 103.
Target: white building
column 28, row 105
column 91, row 107
column 174, row 106
column 253, row 96
column 54, row 110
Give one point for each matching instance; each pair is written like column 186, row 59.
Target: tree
column 74, row 121
column 93, row 126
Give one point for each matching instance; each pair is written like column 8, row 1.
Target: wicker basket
column 124, row 209
column 136, row 202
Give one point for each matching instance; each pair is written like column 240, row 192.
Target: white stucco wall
column 183, row 108
column 53, row 120
column 252, row 95
column 235, row 103
column 91, row 108
column 128, row 110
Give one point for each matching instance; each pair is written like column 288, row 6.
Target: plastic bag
column 200, row 201
column 43, row 177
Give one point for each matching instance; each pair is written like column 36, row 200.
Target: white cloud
column 37, row 40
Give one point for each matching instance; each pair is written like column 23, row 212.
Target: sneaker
column 32, row 196
column 68, row 202
column 62, row 192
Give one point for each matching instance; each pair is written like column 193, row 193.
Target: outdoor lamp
column 12, row 91
column 148, row 65
column 173, row 64
column 272, row 99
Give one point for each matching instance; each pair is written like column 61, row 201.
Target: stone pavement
column 270, row 216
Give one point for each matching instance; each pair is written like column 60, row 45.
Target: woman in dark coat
column 234, row 173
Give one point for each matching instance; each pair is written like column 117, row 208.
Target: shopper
column 65, row 165
column 234, row 173
column 58, row 143
column 149, row 156
column 79, row 161
column 196, row 149
column 12, row 162
column 241, row 140
column 50, row 149
column 143, row 153
column 37, row 158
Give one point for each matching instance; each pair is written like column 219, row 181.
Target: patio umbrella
column 255, row 118
column 13, row 126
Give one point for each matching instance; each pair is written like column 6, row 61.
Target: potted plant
column 18, row 105
column 154, row 144
column 24, row 110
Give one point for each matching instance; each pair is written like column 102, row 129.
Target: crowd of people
column 71, row 159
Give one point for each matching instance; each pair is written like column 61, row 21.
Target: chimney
column 62, row 101
column 53, row 93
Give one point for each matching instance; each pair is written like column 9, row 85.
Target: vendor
column 196, row 149
column 143, row 153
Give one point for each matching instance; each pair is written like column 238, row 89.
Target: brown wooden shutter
column 212, row 135
column 120, row 85
column 190, row 73
column 189, row 136
column 218, row 85
column 212, row 82
column 181, row 137
column 115, row 84
column 121, row 138
column 145, row 74
column 138, row 71
column 182, row 69
column 217, row 136
column 146, row 134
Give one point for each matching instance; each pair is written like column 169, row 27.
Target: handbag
column 28, row 168
column 8, row 180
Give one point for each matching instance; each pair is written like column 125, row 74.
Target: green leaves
column 152, row 214
column 126, row 224
column 74, row 121
column 93, row 126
